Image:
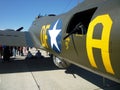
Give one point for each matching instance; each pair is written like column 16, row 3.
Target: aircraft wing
column 15, row 38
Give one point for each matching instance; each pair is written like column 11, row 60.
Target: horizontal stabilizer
column 14, row 38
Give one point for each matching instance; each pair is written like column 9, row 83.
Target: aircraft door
column 76, row 39
column 79, row 42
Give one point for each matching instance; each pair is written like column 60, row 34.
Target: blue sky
column 17, row 13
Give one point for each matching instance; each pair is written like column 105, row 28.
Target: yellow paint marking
column 43, row 36
column 102, row 44
column 67, row 41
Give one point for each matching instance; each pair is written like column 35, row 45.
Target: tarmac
column 42, row 74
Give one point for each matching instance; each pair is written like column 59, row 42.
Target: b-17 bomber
column 86, row 36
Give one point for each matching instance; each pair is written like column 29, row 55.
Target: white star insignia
column 53, row 34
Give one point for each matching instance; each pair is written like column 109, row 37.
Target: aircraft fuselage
column 95, row 46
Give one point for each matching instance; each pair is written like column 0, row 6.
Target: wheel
column 60, row 63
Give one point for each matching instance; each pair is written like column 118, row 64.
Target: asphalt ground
column 42, row 74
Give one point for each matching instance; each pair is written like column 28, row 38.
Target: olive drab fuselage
column 95, row 48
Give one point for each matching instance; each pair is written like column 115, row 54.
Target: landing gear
column 60, row 63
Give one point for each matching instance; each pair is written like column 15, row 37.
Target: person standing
column 6, row 54
column 1, row 51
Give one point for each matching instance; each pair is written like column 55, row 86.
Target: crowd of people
column 10, row 51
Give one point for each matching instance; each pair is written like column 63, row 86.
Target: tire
column 60, row 63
